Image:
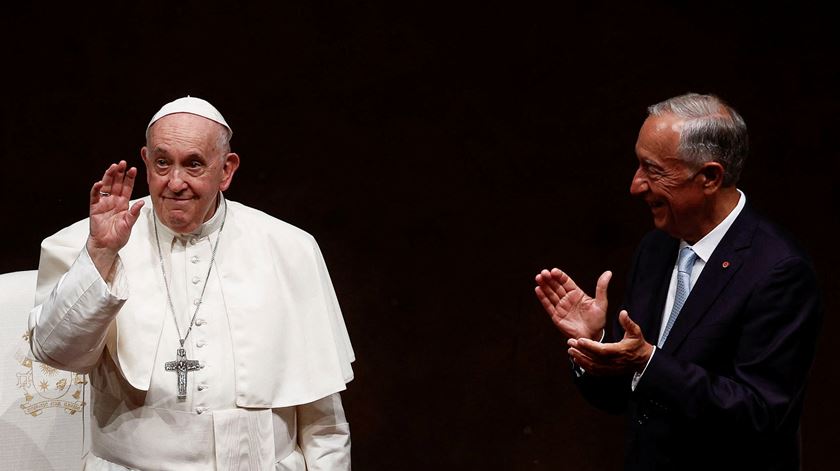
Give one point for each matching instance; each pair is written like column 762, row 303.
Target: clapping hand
column 629, row 355
column 574, row 312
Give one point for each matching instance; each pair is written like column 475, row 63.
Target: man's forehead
column 659, row 138
column 666, row 122
column 182, row 149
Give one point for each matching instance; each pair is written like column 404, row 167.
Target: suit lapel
column 654, row 274
column 724, row 263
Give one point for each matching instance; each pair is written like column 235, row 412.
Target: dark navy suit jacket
column 726, row 389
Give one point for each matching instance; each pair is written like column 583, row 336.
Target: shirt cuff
column 638, row 376
column 579, row 371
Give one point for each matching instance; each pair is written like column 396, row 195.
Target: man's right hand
column 574, row 312
column 111, row 219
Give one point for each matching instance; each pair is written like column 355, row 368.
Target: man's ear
column 712, row 173
column 230, row 165
column 144, row 154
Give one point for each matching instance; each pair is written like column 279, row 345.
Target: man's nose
column 176, row 182
column 639, row 183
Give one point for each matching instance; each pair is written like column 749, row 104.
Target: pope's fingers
column 94, row 192
column 119, row 179
column 134, row 213
column 108, row 178
column 128, row 182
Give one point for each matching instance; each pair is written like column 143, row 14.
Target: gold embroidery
column 44, row 386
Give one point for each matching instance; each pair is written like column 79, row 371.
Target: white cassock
column 268, row 334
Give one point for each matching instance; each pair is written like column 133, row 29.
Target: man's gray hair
column 712, row 132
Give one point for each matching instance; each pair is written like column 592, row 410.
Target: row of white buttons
column 198, row 322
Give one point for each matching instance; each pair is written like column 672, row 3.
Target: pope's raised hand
column 574, row 312
column 111, row 219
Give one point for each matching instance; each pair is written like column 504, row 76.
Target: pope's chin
column 176, row 219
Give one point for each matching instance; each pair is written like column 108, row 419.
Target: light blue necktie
column 684, row 266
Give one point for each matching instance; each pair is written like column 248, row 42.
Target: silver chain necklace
column 181, row 364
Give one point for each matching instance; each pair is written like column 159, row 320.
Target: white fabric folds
column 277, row 292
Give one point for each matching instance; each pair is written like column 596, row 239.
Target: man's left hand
column 628, row 356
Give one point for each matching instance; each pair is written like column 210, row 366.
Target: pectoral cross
column 182, row 365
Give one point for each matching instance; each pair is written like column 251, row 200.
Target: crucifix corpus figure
column 182, row 366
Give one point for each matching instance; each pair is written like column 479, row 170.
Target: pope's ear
column 229, row 168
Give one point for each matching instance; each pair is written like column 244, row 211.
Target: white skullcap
column 191, row 105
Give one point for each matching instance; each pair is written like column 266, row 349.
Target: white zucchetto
column 191, row 105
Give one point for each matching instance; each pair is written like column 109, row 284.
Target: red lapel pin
column 725, row 264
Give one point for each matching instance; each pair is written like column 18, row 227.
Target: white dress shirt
column 703, row 249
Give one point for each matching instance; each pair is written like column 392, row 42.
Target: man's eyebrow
column 651, row 163
column 162, row 151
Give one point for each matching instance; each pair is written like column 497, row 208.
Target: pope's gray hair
column 712, row 132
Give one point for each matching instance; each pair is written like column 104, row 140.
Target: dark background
column 441, row 154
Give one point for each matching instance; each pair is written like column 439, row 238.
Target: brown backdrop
column 441, row 154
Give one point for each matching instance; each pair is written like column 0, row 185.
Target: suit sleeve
column 773, row 344
column 610, row 393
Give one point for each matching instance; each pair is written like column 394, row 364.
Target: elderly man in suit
column 709, row 354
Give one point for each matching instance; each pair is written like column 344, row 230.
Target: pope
column 210, row 330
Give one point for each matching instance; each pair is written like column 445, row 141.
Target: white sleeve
column 324, row 434
column 68, row 330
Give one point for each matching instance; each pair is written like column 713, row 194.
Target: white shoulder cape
column 290, row 342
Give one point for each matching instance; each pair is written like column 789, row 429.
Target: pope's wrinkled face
column 187, row 165
column 671, row 187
